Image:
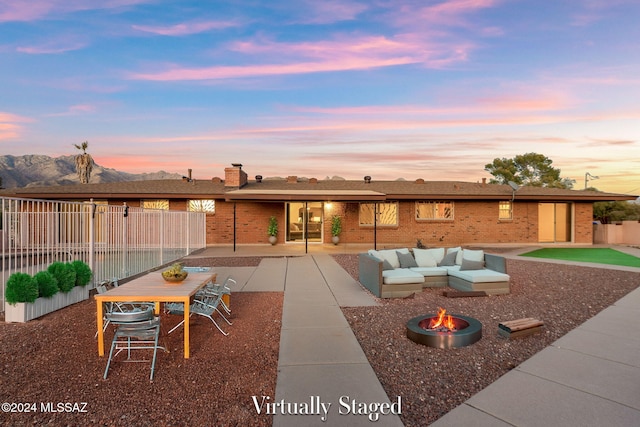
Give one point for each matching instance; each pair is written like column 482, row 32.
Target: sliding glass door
column 304, row 221
column 554, row 222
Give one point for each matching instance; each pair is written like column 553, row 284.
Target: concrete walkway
column 589, row 377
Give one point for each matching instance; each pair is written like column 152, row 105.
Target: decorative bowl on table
column 175, row 277
column 175, row 273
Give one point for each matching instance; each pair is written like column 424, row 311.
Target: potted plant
column 336, row 228
column 21, row 287
column 47, row 284
column 83, row 272
column 55, row 288
column 64, row 274
column 272, row 230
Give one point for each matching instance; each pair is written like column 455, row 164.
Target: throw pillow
column 468, row 264
column 406, row 260
column 449, row 259
column 386, row 265
column 473, row 255
column 424, row 257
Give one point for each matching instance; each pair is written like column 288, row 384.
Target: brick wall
column 474, row 222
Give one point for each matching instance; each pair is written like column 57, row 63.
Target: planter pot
column 25, row 311
column 335, row 239
column 273, row 239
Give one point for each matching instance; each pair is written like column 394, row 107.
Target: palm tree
column 84, row 163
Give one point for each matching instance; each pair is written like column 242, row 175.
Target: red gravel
column 54, row 358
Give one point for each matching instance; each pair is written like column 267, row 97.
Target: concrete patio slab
column 346, row 290
column 631, row 300
column 465, row 415
column 608, row 321
column 313, row 316
column 333, row 384
column 269, row 276
column 522, row 399
column 602, row 345
column 313, row 346
column 600, row 377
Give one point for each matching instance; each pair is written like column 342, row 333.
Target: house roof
column 309, row 189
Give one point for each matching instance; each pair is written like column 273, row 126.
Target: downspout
column 234, row 226
column 306, row 228
column 375, row 225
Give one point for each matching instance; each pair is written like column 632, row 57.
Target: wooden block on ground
column 459, row 294
column 520, row 327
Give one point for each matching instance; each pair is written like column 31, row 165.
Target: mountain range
column 39, row 170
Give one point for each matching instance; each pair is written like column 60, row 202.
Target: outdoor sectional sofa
column 393, row 273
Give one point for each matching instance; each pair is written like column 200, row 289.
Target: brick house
column 444, row 213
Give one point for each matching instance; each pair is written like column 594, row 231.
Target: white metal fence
column 115, row 241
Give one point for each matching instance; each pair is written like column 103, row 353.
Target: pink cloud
column 186, row 28
column 343, row 54
column 9, row 125
column 34, row 10
column 51, row 48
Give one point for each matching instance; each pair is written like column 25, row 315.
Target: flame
column 443, row 320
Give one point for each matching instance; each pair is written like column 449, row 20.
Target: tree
column 527, row 169
column 84, row 163
column 608, row 212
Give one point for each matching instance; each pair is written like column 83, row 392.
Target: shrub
column 83, row 272
column 64, row 274
column 47, row 284
column 21, row 287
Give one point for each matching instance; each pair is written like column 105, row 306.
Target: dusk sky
column 431, row 89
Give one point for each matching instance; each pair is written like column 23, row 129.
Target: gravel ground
column 433, row 381
column 54, row 358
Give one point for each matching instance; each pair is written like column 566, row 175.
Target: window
column 442, row 211
column 207, row 206
column 160, row 204
column 505, row 210
column 387, row 213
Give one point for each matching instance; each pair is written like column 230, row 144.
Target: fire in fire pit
column 444, row 330
column 442, row 323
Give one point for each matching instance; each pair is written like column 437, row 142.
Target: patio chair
column 117, row 307
column 138, row 330
column 224, row 289
column 205, row 304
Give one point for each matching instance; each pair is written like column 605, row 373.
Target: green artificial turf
column 598, row 255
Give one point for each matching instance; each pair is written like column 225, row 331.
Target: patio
column 217, row 383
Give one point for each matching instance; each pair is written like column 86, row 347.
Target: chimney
column 367, row 179
column 484, row 182
column 189, row 174
column 235, row 176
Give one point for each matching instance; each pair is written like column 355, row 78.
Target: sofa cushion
column 468, row 264
column 390, row 255
column 472, row 255
column 406, row 260
column 430, row 271
column 449, row 259
column 479, row 276
column 400, row 276
column 428, row 257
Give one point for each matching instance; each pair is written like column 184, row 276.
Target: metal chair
column 139, row 330
column 224, row 289
column 205, row 304
column 117, row 307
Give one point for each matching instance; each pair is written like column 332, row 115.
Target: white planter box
column 25, row 311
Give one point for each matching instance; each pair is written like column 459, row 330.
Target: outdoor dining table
column 153, row 288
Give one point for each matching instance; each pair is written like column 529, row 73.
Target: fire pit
column 444, row 330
